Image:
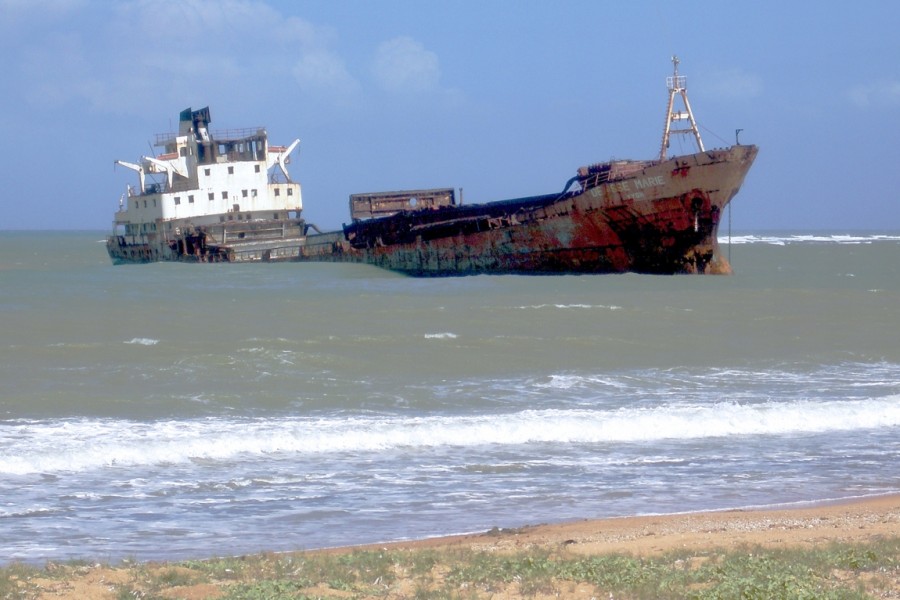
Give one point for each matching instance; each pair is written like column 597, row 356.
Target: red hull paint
column 646, row 217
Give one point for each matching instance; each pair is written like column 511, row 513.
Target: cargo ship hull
column 228, row 197
column 628, row 216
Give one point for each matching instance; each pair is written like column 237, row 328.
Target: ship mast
column 677, row 84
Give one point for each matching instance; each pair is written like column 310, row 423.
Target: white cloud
column 197, row 21
column 44, row 9
column 735, row 83
column 882, row 93
column 322, row 70
column 147, row 53
column 404, row 65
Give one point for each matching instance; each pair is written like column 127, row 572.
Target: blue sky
column 501, row 98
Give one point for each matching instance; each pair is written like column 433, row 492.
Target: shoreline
column 871, row 522
column 612, row 532
column 805, row 523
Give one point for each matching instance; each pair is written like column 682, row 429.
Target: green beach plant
column 845, row 571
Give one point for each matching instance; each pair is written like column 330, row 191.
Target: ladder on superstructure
column 677, row 84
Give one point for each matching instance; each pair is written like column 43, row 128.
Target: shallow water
column 174, row 411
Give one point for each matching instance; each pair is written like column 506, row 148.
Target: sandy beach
column 857, row 520
column 861, row 521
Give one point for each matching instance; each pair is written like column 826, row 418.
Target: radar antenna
column 677, row 84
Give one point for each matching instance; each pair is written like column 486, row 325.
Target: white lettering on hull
column 624, row 187
column 648, row 182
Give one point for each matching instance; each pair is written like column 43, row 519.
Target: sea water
column 169, row 411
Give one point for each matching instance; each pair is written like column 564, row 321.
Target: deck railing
column 218, row 135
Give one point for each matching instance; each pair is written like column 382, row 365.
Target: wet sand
column 861, row 521
column 856, row 520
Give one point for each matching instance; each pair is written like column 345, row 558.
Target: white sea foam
column 569, row 306
column 91, row 444
column 143, row 341
column 782, row 240
column 441, row 336
column 567, row 382
column 38, row 511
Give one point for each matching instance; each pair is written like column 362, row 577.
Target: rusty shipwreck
column 228, row 197
column 647, row 216
column 208, row 196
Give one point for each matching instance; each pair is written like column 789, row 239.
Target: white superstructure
column 209, row 196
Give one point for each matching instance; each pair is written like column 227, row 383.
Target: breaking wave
column 441, row 336
column 143, row 341
column 80, row 445
column 785, row 239
column 570, row 306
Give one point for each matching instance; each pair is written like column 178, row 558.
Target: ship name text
column 625, row 187
column 642, row 183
